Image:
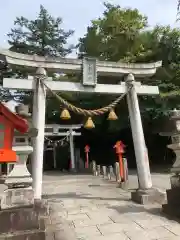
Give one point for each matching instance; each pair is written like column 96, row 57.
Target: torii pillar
column 145, row 193
column 39, row 107
column 142, row 160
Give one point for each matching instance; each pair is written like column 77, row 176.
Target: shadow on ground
column 157, row 211
column 73, row 195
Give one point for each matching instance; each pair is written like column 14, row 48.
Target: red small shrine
column 9, row 122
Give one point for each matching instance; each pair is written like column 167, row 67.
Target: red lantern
column 9, row 122
column 119, row 148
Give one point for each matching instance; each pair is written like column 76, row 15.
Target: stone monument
column 172, row 129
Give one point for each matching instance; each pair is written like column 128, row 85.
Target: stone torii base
column 148, row 196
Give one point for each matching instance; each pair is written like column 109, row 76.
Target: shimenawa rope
column 85, row 112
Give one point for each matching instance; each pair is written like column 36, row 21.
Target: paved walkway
column 97, row 210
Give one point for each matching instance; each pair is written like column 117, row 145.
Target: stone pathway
column 97, row 210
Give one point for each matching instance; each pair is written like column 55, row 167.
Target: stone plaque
column 89, row 72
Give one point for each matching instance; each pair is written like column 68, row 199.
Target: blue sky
column 77, row 14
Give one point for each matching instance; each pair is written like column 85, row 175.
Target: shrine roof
column 20, row 124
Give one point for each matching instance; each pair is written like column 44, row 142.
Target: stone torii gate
column 91, row 68
column 68, row 130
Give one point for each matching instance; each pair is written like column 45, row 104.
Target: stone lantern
column 19, row 181
column 172, row 129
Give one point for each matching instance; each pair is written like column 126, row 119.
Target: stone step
column 20, row 219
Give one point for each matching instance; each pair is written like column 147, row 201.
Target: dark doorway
column 48, row 160
column 62, row 158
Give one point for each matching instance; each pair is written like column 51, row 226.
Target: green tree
column 42, row 36
column 118, row 35
column 122, row 35
column 114, row 35
column 164, row 44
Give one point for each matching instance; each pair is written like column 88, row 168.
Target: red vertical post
column 119, row 147
column 87, row 150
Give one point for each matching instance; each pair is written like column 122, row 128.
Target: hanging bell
column 112, row 115
column 89, row 123
column 65, row 115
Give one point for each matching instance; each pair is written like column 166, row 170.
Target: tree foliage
column 119, row 34
column 42, row 36
column 123, row 35
column 114, row 35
